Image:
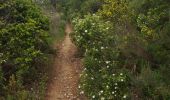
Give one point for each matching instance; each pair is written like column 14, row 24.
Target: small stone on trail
column 68, row 96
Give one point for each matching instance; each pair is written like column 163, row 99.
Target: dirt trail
column 66, row 70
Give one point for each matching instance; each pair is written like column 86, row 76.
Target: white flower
column 85, row 69
column 115, row 83
column 107, row 66
column 102, row 48
column 113, row 74
column 113, row 92
column 93, row 96
column 115, row 95
column 79, row 87
column 102, row 98
column 107, row 28
column 92, row 78
column 116, row 87
column 125, row 96
column 121, row 80
column 121, row 74
column 82, row 92
column 86, row 50
column 107, row 62
column 101, row 91
column 107, row 86
column 86, row 31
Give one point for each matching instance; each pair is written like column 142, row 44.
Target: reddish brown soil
column 66, row 70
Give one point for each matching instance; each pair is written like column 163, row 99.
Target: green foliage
column 153, row 28
column 23, row 43
column 91, row 6
column 115, row 10
column 1, row 78
column 89, row 30
column 151, row 85
column 129, row 37
column 101, row 79
column 75, row 8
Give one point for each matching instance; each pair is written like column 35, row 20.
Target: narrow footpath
column 66, row 72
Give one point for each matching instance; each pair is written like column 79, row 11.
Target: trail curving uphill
column 66, row 70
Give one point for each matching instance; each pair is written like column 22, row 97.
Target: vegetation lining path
column 66, row 70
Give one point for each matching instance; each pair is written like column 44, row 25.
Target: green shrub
column 132, row 36
column 23, row 43
column 102, row 78
column 150, row 85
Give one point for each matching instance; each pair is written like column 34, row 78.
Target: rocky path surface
column 66, row 70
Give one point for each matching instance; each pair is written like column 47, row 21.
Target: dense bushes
column 23, row 46
column 126, row 50
column 101, row 77
column 75, row 8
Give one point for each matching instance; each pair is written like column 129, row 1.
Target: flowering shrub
column 88, row 32
column 125, row 35
column 102, row 77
